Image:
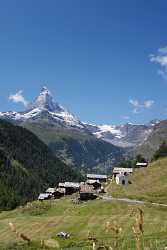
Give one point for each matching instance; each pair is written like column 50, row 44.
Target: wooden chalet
column 70, row 187
column 87, row 192
column 99, row 177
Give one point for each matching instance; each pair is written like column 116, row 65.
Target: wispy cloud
column 18, row 98
column 160, row 58
column 138, row 106
column 148, row 104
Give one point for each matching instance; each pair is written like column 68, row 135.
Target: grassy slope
column 147, row 184
column 39, row 223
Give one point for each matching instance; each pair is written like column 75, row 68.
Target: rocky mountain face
column 75, row 142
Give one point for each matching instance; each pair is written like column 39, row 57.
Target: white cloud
column 161, row 59
column 135, row 103
column 137, row 106
column 148, row 104
column 18, row 97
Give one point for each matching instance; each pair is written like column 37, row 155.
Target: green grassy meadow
column 42, row 221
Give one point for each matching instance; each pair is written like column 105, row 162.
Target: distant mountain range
column 128, row 135
column 76, row 142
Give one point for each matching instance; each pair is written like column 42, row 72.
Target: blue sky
column 106, row 61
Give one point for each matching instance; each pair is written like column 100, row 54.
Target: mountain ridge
column 45, row 106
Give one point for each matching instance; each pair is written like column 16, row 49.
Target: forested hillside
column 26, row 166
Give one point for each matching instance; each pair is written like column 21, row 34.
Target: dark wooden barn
column 87, row 192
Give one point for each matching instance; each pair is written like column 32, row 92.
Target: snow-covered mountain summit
column 44, row 106
column 45, row 101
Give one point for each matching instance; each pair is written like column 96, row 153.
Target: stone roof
column 96, row 176
column 122, row 170
column 50, row 190
column 43, row 196
column 141, row 164
column 70, row 184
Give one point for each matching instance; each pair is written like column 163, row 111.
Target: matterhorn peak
column 45, row 101
column 45, row 90
column 44, row 106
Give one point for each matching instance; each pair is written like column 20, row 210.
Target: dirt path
column 109, row 198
